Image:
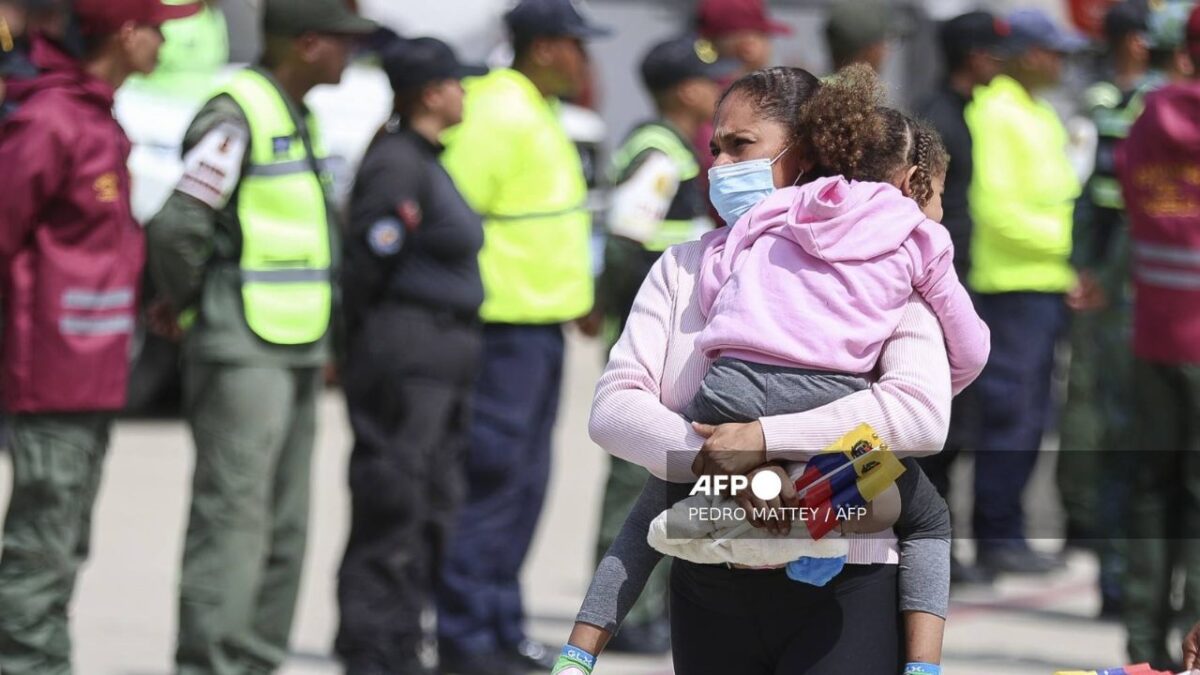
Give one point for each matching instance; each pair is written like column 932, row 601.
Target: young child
column 847, row 256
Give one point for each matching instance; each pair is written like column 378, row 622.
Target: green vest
column 1113, row 114
column 687, row 216
column 517, row 168
column 285, row 258
column 1022, row 195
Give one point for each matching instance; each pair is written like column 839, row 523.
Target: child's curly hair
column 850, row 133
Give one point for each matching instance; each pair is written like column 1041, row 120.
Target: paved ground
column 124, row 614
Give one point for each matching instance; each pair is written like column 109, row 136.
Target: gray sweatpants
column 740, row 391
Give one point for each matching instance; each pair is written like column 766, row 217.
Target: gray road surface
column 124, row 620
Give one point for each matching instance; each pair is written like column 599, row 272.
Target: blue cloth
column 918, row 668
column 507, row 468
column 815, row 571
column 1013, row 393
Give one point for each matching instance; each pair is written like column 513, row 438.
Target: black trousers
column 408, row 379
column 1014, row 396
column 759, row 622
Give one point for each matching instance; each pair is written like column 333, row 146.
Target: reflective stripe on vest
column 89, row 300
column 1167, row 266
column 285, row 260
column 79, row 298
column 657, row 137
column 103, row 325
column 1106, row 192
column 672, row 232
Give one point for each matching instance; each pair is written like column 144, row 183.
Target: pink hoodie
column 817, row 276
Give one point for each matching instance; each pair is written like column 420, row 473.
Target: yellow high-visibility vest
column 517, row 168
column 1022, row 193
column 285, row 260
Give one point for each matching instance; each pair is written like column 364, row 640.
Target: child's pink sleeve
column 968, row 340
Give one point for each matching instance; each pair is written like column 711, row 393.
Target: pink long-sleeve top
column 818, row 276
column 656, row 368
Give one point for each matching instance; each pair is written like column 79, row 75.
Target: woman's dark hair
column 849, row 133
column 777, row 93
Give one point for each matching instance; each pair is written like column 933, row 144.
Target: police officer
column 658, row 201
column 245, row 250
column 1096, row 415
column 412, row 294
column 71, row 260
column 972, row 47
column 516, row 167
column 1022, row 198
column 1160, row 177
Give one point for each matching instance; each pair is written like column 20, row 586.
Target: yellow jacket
column 515, row 165
column 1022, row 193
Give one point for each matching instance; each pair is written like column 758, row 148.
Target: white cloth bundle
column 676, row 532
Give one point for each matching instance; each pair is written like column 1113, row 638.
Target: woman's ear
column 542, row 52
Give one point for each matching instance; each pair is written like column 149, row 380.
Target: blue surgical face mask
column 734, row 189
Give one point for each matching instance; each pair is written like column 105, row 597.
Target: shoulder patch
column 410, row 213
column 385, row 237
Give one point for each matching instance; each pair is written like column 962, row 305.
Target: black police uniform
column 411, row 295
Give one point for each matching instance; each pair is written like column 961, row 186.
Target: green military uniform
column 1097, row 415
column 57, row 463
column 626, row 263
column 255, row 278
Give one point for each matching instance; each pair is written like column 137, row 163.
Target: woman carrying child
column 861, row 265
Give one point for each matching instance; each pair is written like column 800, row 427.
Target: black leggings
column 759, row 622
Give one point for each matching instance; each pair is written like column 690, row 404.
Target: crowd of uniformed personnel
column 467, row 239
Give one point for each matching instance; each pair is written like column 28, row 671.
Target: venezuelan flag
column 849, row 473
column 1139, row 669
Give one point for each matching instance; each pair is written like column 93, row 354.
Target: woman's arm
column 909, row 405
column 628, row 418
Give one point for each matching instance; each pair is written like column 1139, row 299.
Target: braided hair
column 777, row 93
column 930, row 159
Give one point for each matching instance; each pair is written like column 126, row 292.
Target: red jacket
column 1159, row 166
column 71, row 253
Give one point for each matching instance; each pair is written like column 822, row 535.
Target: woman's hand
column 786, row 498
column 730, row 449
column 1191, row 648
column 163, row 321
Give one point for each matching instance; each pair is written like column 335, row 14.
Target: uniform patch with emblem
column 212, row 169
column 281, row 145
column 106, row 187
column 385, row 237
column 410, row 213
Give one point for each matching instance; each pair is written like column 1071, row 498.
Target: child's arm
column 923, row 531
column 968, row 339
column 621, row 574
column 923, row 633
column 882, row 513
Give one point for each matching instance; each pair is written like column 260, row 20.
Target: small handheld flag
column 851, row 472
column 848, row 474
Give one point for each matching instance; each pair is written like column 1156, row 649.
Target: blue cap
column 551, row 18
column 1034, row 28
